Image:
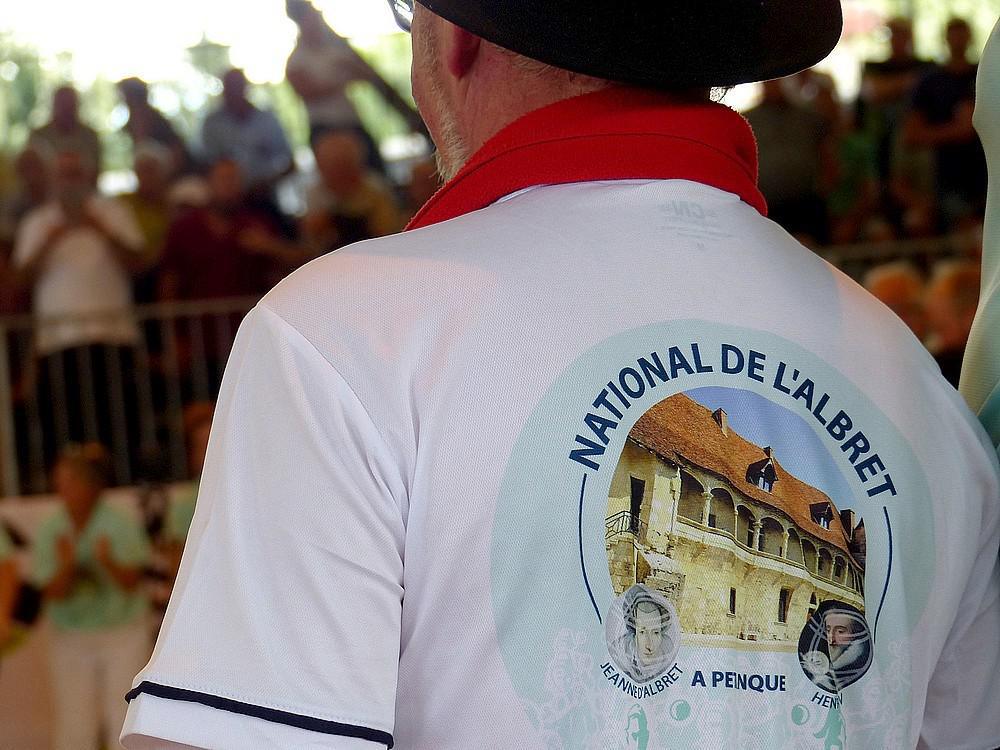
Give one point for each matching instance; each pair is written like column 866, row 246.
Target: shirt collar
column 614, row 134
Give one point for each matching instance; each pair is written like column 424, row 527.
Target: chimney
column 721, row 419
column 848, row 520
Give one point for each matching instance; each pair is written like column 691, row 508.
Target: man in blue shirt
column 251, row 136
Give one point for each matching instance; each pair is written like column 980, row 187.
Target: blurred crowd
column 902, row 162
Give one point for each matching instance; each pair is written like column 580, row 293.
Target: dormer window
column 762, row 473
column 822, row 514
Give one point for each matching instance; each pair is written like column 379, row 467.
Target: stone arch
column 745, row 523
column 723, row 514
column 794, row 551
column 809, row 555
column 840, row 569
column 692, row 501
column 824, row 567
column 772, row 537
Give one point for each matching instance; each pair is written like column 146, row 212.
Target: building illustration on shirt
column 743, row 549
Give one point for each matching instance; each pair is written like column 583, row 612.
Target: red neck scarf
column 613, row 134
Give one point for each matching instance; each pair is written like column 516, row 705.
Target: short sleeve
column 288, row 603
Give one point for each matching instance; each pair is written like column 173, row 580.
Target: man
column 78, row 254
column 153, row 165
column 205, row 253
column 886, row 89
column 321, row 67
column 796, row 157
column 349, row 203
column 400, row 533
column 941, row 120
column 251, row 136
column 848, row 647
column 146, row 123
column 65, row 131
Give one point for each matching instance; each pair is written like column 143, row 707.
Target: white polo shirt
column 595, row 456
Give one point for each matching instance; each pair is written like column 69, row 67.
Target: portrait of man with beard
column 835, row 648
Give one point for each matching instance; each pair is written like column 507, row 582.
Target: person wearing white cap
column 429, row 481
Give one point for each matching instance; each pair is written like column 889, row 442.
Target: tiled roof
column 681, row 430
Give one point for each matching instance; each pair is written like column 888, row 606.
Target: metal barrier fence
column 132, row 397
column 129, row 394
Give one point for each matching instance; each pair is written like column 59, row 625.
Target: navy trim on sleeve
column 259, row 712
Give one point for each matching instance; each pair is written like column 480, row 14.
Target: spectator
column 349, row 203
column 77, row 254
column 8, row 586
column 886, row 89
column 66, row 132
column 252, row 137
column 795, row 153
column 320, row 68
column 88, row 559
column 215, row 252
column 32, row 181
column 146, row 123
column 952, row 300
column 941, row 120
column 900, row 287
column 206, row 255
column 153, row 165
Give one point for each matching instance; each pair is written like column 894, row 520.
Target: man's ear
column 462, row 52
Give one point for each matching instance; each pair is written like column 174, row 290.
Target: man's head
column 226, row 184
column 234, row 90
column 958, row 35
column 340, row 161
column 65, row 107
column 134, row 91
column 467, row 89
column 73, row 182
column 952, row 302
column 152, row 165
column 900, row 37
column 901, row 288
column 308, row 18
column 478, row 66
column 842, row 628
column 81, row 474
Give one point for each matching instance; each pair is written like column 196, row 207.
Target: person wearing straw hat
column 407, row 528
